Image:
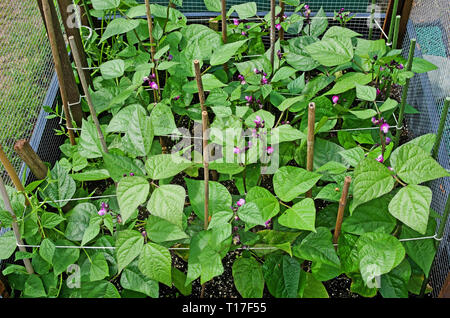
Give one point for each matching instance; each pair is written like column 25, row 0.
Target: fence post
column 66, row 78
column 64, row 6
column 31, row 159
column 310, row 141
column 15, row 226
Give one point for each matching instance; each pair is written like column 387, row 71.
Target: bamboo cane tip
column 20, row 144
column 312, row 105
column 348, row 179
column 196, row 62
column 204, row 113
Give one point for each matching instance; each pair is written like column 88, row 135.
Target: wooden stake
column 156, row 93
column 198, row 78
column 57, row 57
column 31, row 159
column 75, row 32
column 445, row 290
column 224, row 20
column 310, row 141
column 206, row 166
column 342, row 204
column 15, row 226
column 12, row 173
column 84, row 84
column 272, row 32
column 281, row 32
column 3, row 290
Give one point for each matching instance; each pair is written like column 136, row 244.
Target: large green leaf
column 133, row 279
column 129, row 245
column 331, row 51
column 244, row 10
column 421, row 65
column 224, row 53
column 160, row 230
column 61, row 187
column 166, row 165
column 131, row 192
column 119, row 26
column 314, row 288
column 98, row 268
column 282, row 275
column 319, row 24
column 155, row 262
column 371, row 180
column 378, row 254
column 140, row 134
column 34, row 287
column 219, row 197
column 265, row 201
column 301, row 216
column 112, row 69
column 64, row 257
column 89, row 145
column 372, row 216
column 118, row 166
column 411, row 205
column 167, row 202
column 7, row 245
column 413, row 165
column 248, row 277
column 162, row 120
column 121, row 120
column 289, row 182
column 348, row 81
column 105, row 4
column 78, row 220
column 395, row 283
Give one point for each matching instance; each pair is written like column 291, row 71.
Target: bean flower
column 104, row 209
column 335, row 99
column 153, row 85
column 240, row 202
column 270, row 150
column 384, row 127
column 380, row 158
column 278, row 26
column 236, row 150
column 236, row 22
column 249, row 98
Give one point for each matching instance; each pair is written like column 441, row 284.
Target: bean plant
column 125, row 214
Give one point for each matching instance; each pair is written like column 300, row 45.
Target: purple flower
column 381, row 68
column 264, row 80
column 144, row 233
column 278, row 26
column 335, row 99
column 257, row 121
column 124, row 175
column 176, row 97
column 380, row 158
column 153, row 85
column 240, row 202
column 153, row 76
column 248, row 98
column 236, row 150
column 243, row 33
column 279, row 54
column 242, row 79
column 374, row 121
column 306, row 7
column 170, row 57
column 236, row 218
column 132, row 174
column 267, row 223
column 384, row 128
column 250, row 144
column 102, row 212
column 256, row 71
column 236, row 22
column 269, row 150
column 378, row 91
column 400, row 66
column 388, row 140
column 145, row 79
column 235, row 228
column 390, row 168
column 236, row 239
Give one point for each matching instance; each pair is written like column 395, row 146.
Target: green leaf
column 314, row 288
column 61, row 187
column 105, row 4
column 179, row 281
column 64, row 257
column 282, row 275
column 426, row 142
column 140, row 134
column 331, row 51
column 420, row 65
column 89, row 145
column 367, row 93
column 269, row 119
column 372, row 216
column 162, row 120
column 395, row 283
column 349, row 81
column 318, row 247
column 99, row 289
column 224, row 53
column 248, row 286
column 167, row 202
column 337, row 31
column 319, row 23
column 50, row 220
column 34, row 287
column 131, row 192
column 352, row 156
column 7, row 245
column 121, row 120
column 118, row 166
column 389, row 104
column 91, row 175
column 219, row 197
column 378, row 254
column 47, row 250
column 285, row 133
column 78, row 220
column 348, row 253
column 213, row 5
column 251, row 215
column 289, row 182
column 92, row 230
column 283, row 73
column 112, row 69
column 119, row 26
column 155, row 262
column 159, row 230
column 413, row 165
column 99, row 267
column 411, row 205
column 368, row 48
column 371, row 180
column 209, row 81
column 265, row 201
column 244, row 10
column 166, row 165
column 129, row 245
column 301, row 216
column 133, row 279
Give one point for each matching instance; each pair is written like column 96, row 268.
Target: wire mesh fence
column 429, row 24
column 26, row 71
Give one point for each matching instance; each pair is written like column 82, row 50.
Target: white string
column 79, row 101
column 382, row 31
column 76, row 199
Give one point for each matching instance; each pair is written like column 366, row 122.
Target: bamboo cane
column 223, row 13
column 341, row 209
column 12, row 173
column 310, row 141
column 85, row 85
column 31, row 159
column 391, row 24
column 272, row 32
column 58, row 66
column 15, row 226
column 281, row 31
column 396, row 31
column 441, row 127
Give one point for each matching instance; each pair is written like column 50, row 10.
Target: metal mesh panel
column 26, row 70
column 429, row 25
column 264, row 5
